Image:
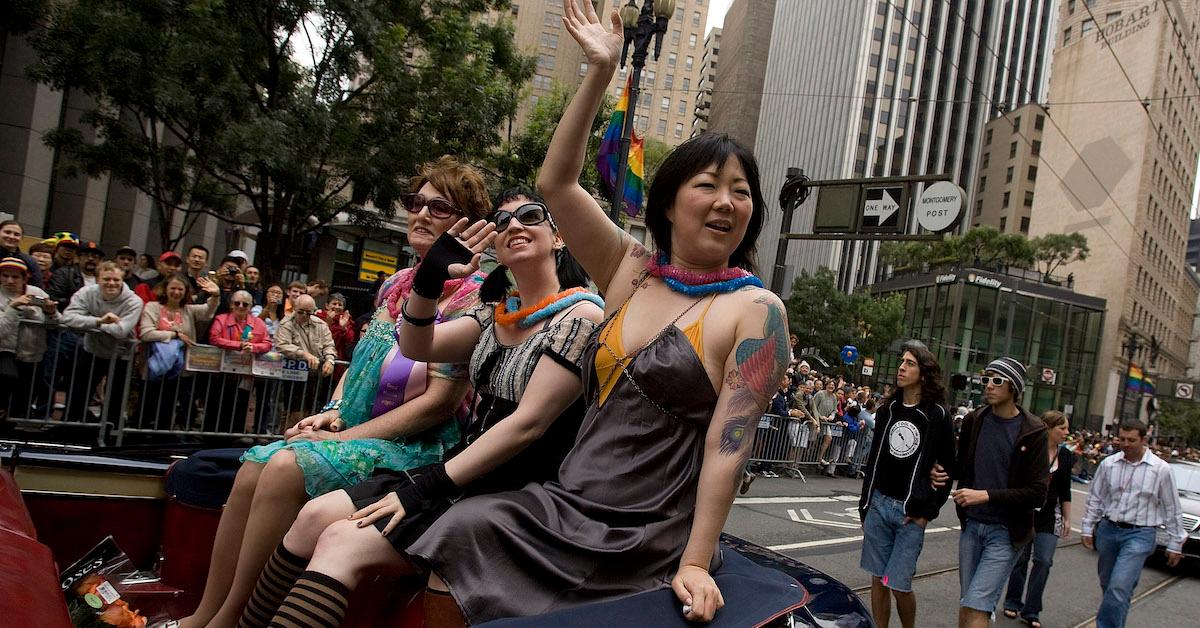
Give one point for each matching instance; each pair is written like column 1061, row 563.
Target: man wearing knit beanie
column 1003, row 473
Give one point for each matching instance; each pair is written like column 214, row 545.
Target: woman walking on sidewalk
column 1051, row 523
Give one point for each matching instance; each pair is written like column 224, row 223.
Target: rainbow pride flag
column 608, row 156
column 1138, row 381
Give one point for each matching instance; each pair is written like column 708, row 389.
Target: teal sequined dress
column 331, row 465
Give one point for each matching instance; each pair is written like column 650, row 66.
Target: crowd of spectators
column 162, row 305
column 1091, row 447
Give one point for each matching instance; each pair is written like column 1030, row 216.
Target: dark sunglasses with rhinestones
column 438, row 207
column 528, row 214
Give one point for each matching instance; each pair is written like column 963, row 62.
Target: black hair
column 570, row 275
column 689, row 158
column 229, row 259
column 932, row 389
column 198, row 246
column 515, row 192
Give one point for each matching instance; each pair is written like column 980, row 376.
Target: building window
column 987, row 138
column 1032, row 176
column 679, row 14
column 1039, row 122
column 678, row 129
column 1029, row 198
column 982, row 183
column 551, row 19
column 1112, row 15
column 1012, row 151
column 550, row 40
column 695, row 22
column 669, row 81
column 689, row 62
column 1066, row 35
column 666, row 103
column 983, row 163
column 1024, row 224
column 662, row 127
column 1088, row 26
column 1003, row 221
column 1017, row 123
column 1070, row 7
column 687, row 85
column 651, row 78
column 1008, row 175
column 978, row 208
column 546, row 62
column 1036, row 147
column 1005, row 204
column 671, row 59
column 692, row 40
column 683, row 106
column 675, row 35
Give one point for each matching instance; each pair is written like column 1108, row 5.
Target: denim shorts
column 986, row 556
column 890, row 546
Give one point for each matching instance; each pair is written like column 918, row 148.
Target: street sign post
column 1183, row 390
column 939, row 207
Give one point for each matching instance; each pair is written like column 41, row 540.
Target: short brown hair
column 160, row 291
column 462, row 183
column 320, row 283
column 41, row 247
column 108, row 265
column 1053, row 418
column 296, row 284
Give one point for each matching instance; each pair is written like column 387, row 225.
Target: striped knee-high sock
column 315, row 601
column 276, row 579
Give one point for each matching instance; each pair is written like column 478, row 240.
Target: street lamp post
column 1131, row 349
column 641, row 26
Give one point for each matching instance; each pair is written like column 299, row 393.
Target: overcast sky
column 716, row 13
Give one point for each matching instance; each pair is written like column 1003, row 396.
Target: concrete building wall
column 738, row 86
column 1126, row 174
column 540, row 33
column 1008, row 170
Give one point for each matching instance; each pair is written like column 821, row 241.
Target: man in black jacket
column 913, row 432
column 1003, row 472
column 10, row 246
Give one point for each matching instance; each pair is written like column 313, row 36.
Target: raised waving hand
column 601, row 44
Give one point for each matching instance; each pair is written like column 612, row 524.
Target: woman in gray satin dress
column 676, row 379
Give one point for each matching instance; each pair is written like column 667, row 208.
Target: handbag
column 164, row 360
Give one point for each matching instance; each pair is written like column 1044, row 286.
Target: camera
column 37, row 300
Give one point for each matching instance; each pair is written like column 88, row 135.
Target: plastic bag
column 94, row 585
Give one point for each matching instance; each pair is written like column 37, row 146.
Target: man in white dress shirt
column 1132, row 494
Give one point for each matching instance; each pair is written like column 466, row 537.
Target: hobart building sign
column 1126, row 25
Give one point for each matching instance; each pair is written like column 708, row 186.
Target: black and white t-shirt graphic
column 903, row 439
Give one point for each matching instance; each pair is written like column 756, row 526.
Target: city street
column 817, row 522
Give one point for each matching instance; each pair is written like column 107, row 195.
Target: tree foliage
column 986, row 247
column 277, row 114
column 1180, row 419
column 824, row 317
column 521, row 159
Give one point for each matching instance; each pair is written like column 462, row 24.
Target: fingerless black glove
column 429, row 484
column 435, row 268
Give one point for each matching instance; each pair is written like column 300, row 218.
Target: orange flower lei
column 504, row 317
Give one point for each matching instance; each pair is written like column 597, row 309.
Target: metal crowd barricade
column 69, row 387
column 224, row 393
column 786, row 443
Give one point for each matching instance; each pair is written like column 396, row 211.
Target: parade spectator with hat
column 67, row 280
column 126, row 257
column 10, row 246
column 66, row 249
column 23, row 307
column 168, row 265
column 1003, row 475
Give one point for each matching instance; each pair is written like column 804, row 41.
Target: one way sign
column 881, row 208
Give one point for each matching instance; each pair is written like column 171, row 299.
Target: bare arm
column 754, row 367
column 594, row 240
column 434, row 406
column 449, row 342
column 551, row 389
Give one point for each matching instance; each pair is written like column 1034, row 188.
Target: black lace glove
column 429, row 484
column 435, row 268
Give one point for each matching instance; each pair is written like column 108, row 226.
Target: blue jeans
column 890, row 546
column 1042, row 549
column 1122, row 551
column 985, row 558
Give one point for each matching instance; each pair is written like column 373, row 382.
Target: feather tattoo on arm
column 760, row 364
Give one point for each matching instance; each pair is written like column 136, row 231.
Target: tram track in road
column 945, row 570
column 1137, row 599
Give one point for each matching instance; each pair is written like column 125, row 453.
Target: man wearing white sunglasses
column 1003, row 474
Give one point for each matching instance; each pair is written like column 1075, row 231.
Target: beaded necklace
column 697, row 284
column 508, row 314
column 399, row 290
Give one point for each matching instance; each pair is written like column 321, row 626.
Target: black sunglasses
column 438, row 207
column 528, row 214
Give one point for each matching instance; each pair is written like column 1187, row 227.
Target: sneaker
column 747, row 480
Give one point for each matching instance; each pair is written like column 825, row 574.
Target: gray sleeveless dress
column 616, row 521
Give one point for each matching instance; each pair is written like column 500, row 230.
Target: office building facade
column 1008, row 170
column 708, row 79
column 738, row 85
column 1125, row 173
column 881, row 88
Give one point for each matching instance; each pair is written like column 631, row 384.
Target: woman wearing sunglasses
column 525, row 347
column 387, row 412
column 677, row 378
